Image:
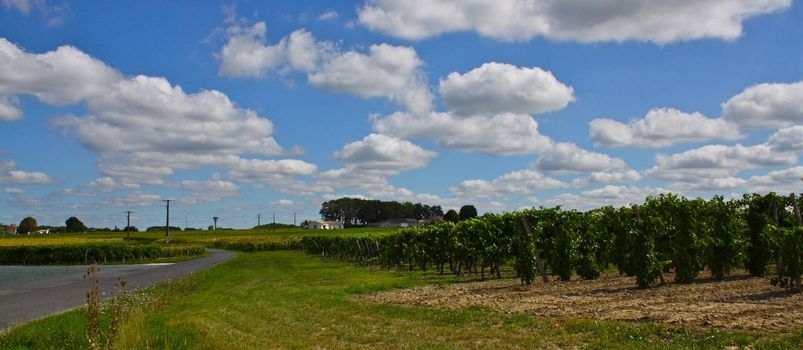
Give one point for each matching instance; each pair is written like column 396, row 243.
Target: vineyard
column 666, row 233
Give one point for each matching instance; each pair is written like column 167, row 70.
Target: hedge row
column 104, row 252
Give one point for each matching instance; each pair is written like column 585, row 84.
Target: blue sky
column 241, row 108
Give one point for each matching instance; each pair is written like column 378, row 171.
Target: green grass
column 288, row 299
column 199, row 236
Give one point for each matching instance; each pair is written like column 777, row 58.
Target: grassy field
column 200, row 236
column 291, row 300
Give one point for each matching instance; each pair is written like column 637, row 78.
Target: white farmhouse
column 324, row 225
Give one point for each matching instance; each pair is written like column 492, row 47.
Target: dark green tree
column 27, row 225
column 451, row 216
column 74, row 225
column 467, row 212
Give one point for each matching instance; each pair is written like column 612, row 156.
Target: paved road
column 31, row 292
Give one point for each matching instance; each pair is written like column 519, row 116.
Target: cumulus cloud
column 386, row 70
column 384, row 153
column 568, row 157
column 144, row 128
column 283, row 202
column 655, row 21
column 260, row 169
column 661, row 127
column 393, row 72
column 10, row 175
column 496, row 88
column 767, row 105
column 369, row 162
column 108, row 184
column 515, row 182
column 131, row 116
column 203, row 191
column 61, row 77
column 504, row 134
column 328, row 15
column 714, row 167
column 246, row 53
column 136, row 198
column 787, row 139
column 609, row 195
column 13, row 190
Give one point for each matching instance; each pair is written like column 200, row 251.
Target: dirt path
column 739, row 302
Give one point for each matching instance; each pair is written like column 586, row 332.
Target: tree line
column 356, row 211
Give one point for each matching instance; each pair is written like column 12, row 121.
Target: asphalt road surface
column 31, row 292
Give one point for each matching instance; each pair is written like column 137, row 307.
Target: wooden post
column 538, row 263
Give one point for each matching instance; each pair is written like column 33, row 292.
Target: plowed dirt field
column 738, row 302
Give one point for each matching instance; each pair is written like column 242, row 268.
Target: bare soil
column 739, row 302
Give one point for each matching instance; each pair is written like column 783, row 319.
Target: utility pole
column 215, row 218
column 294, row 218
column 274, row 221
column 167, row 221
column 128, row 223
column 259, row 217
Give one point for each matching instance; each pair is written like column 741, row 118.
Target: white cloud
column 328, row 15
column 516, row 182
column 13, row 190
column 385, row 71
column 787, row 139
column 136, row 198
column 131, row 116
column 609, row 195
column 61, row 77
column 656, row 21
column 393, row 72
column 568, row 157
column 780, row 181
column 10, row 175
column 384, row 153
column 504, row 134
column 283, row 202
column 711, row 158
column 615, row 176
column 496, row 88
column 766, row 105
column 661, row 127
column 108, row 184
column 260, row 169
column 54, row 14
column 203, row 191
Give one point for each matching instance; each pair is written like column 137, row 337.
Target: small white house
column 324, row 225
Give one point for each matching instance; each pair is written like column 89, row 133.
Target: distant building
column 398, row 222
column 324, row 225
column 43, row 231
column 430, row 221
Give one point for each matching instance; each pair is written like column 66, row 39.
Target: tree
column 451, row 216
column 74, row 225
column 27, row 225
column 467, row 212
